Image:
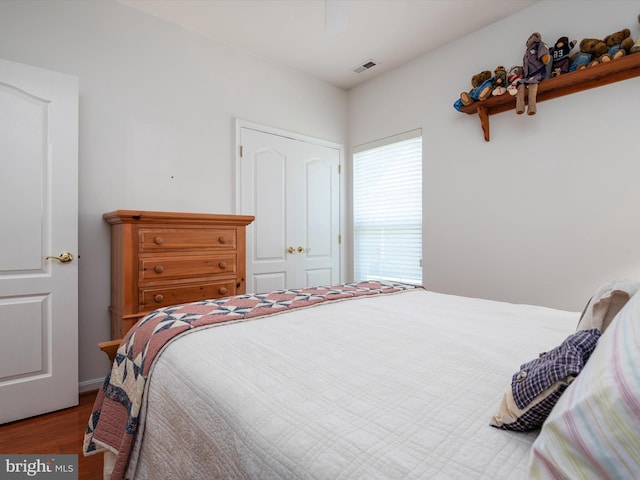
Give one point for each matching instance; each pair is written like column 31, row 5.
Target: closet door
column 291, row 186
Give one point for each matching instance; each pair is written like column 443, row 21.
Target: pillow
column 606, row 303
column 594, row 430
column 538, row 385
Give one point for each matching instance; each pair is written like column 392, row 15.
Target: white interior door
column 38, row 201
column 292, row 188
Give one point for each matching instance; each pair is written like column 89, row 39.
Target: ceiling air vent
column 365, row 66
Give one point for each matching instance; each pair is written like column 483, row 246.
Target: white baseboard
column 89, row 385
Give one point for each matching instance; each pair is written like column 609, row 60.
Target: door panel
column 269, row 204
column 268, row 282
column 319, row 277
column 24, row 155
column 22, row 359
column 320, row 210
column 38, row 205
column 292, row 188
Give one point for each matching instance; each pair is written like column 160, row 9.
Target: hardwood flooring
column 57, row 432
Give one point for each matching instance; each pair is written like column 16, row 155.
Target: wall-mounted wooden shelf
column 596, row 76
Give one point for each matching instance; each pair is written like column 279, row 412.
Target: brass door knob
column 64, row 257
column 301, row 249
column 291, row 250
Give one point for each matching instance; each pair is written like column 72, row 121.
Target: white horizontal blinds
column 387, row 203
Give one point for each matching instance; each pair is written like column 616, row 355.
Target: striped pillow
column 594, row 429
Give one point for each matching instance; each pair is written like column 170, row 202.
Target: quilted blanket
column 113, row 423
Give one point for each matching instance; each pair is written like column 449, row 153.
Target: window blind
column 387, row 204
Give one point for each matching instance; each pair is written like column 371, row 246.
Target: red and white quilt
column 114, row 421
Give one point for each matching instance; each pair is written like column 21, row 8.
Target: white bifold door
column 292, row 188
column 38, row 241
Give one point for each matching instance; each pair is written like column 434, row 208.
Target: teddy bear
column 482, row 84
column 560, row 56
column 619, row 43
column 636, row 46
column 514, row 75
column 534, row 70
column 591, row 50
column 499, row 81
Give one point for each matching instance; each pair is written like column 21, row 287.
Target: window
column 387, row 209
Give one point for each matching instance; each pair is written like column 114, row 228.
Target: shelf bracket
column 484, row 120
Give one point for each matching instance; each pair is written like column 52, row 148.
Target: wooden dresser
column 164, row 258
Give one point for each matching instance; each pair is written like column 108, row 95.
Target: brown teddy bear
column 477, row 93
column 482, row 84
column 591, row 51
column 636, row 46
column 618, row 43
column 499, row 81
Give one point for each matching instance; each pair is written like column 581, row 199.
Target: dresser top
column 150, row 217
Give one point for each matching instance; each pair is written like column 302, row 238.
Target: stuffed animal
column 513, row 77
column 534, row 70
column 499, row 81
column 636, row 46
column 591, row 50
column 619, row 43
column 482, row 84
column 560, row 55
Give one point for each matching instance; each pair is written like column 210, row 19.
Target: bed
column 357, row 381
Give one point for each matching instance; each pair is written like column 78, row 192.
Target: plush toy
column 560, row 55
column 499, row 81
column 482, row 84
column 618, row 43
column 591, row 50
column 513, row 77
column 534, row 70
column 636, row 46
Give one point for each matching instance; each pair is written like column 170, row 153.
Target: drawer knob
column 158, row 240
column 221, row 239
column 223, row 290
column 222, row 265
column 159, row 269
column 159, row 298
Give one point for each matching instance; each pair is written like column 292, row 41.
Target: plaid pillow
column 538, row 385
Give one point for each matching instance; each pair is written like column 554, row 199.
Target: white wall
column 549, row 208
column 157, row 110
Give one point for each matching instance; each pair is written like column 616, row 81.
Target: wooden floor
column 58, row 432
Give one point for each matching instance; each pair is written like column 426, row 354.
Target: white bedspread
column 397, row 386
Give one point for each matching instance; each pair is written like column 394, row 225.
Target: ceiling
column 293, row 33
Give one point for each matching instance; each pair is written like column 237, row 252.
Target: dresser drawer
column 165, row 239
column 157, row 268
column 156, row 297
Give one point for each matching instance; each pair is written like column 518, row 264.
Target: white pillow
column 605, row 304
column 594, row 429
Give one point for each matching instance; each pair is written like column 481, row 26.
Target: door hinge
column 339, row 169
column 241, row 151
column 339, row 239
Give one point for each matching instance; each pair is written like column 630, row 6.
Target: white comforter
column 397, row 386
